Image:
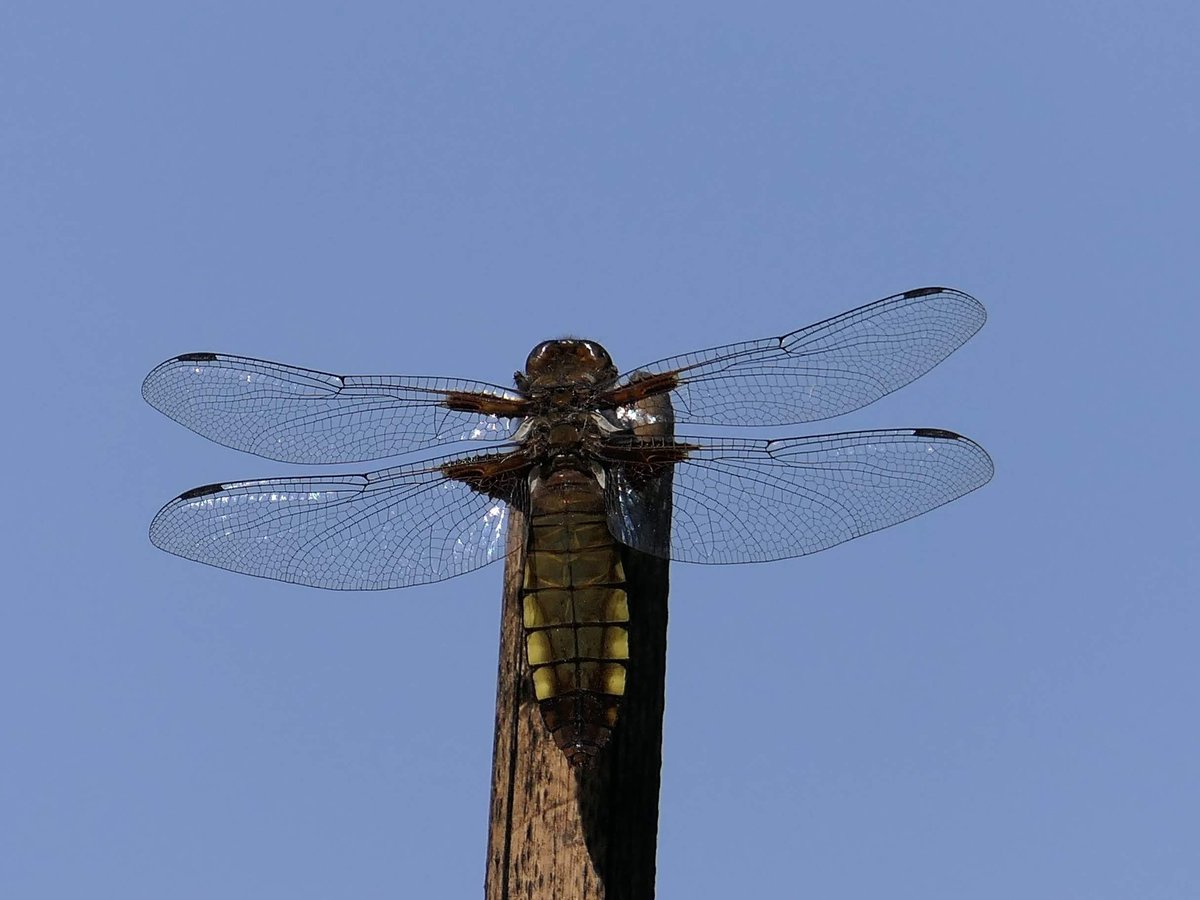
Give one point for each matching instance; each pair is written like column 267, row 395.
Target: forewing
column 392, row 528
column 304, row 416
column 824, row 370
column 741, row 501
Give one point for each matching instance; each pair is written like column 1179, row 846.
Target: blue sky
column 995, row 700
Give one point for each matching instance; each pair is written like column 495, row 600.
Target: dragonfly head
column 567, row 361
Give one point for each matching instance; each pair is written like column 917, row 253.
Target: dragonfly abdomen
column 575, row 611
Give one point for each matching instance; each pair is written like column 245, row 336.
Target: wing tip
column 149, row 383
column 943, row 434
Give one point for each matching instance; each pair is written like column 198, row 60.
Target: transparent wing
column 821, row 371
column 304, row 416
column 741, row 501
column 392, row 528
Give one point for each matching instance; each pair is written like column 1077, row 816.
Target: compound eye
column 595, row 356
column 540, row 357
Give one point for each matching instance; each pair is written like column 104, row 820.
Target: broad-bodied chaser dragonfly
column 576, row 448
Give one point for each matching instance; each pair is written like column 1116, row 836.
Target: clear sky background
column 996, row 700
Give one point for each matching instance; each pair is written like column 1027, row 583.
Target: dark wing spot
column 203, row 491
column 937, row 433
column 197, row 357
column 922, row 292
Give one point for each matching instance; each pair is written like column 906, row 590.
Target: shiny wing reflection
column 824, row 370
column 739, row 501
column 304, row 416
column 392, row 528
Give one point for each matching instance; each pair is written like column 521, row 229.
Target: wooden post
column 567, row 834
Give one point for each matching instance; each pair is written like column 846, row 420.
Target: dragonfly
column 582, row 452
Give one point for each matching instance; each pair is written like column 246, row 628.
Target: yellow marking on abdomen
column 575, row 611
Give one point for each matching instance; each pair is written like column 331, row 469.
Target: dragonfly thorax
column 556, row 432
